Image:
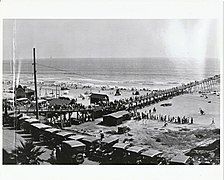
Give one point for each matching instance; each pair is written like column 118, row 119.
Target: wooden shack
column 115, row 118
column 23, row 92
column 98, row 98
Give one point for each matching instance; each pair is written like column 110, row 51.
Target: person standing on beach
column 192, row 120
column 178, row 119
column 101, row 135
column 154, row 110
column 165, row 124
column 213, row 121
column 201, row 111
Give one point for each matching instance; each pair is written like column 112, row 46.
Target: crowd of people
column 152, row 115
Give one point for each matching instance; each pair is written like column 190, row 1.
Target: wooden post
column 35, row 82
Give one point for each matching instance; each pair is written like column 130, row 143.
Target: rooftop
column 95, row 95
column 32, row 120
column 117, row 114
column 64, row 133
column 151, row 153
column 53, row 130
column 76, row 137
column 110, row 140
column 136, row 149
column 90, row 139
column 40, row 126
column 60, row 102
column 180, row 158
column 73, row 143
column 121, row 145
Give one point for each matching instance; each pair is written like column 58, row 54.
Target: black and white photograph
column 118, row 92
column 112, row 92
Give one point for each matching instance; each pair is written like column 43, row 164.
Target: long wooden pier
column 86, row 114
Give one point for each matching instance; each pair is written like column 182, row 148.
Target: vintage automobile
column 133, row 154
column 49, row 134
column 27, row 124
column 119, row 153
column 104, row 151
column 71, row 152
column 37, row 129
column 62, row 136
column 152, row 157
column 19, row 121
column 92, row 143
column 109, row 142
column 180, row 159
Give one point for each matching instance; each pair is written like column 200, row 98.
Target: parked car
column 62, row 136
column 92, row 143
column 180, row 160
column 104, row 151
column 71, row 152
column 27, row 124
column 49, row 135
column 19, row 121
column 37, row 129
column 133, row 154
column 119, row 153
column 152, row 157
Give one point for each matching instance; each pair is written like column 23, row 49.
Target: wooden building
column 24, row 92
column 116, row 118
column 98, row 98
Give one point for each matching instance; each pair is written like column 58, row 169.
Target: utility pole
column 35, row 83
column 56, row 92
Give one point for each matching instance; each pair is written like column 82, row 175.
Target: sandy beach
column 171, row 140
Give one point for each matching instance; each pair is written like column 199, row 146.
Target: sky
column 179, row 38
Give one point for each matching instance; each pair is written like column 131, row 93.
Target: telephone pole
column 35, row 83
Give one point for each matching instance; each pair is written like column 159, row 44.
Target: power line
column 64, row 70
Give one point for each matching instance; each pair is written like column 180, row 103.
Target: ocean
column 154, row 73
